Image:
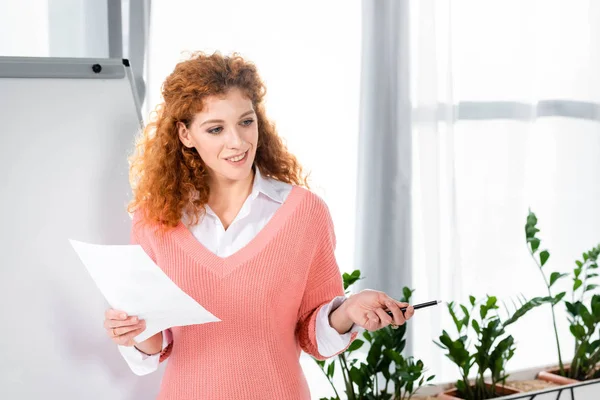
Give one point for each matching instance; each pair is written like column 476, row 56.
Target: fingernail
column 123, row 316
column 134, row 319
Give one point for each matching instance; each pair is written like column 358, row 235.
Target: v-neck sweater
column 267, row 296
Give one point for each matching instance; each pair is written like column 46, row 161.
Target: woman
column 224, row 209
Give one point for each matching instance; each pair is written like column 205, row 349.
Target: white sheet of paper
column 131, row 282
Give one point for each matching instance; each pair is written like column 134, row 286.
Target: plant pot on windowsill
column 553, row 375
column 501, row 390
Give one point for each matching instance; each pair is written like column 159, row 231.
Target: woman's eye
column 247, row 122
column 215, row 131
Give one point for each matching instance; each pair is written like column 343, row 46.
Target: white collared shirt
column 266, row 197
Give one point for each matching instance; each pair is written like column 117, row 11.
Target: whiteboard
column 67, row 128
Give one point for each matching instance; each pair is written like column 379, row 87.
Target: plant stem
column 468, row 394
column 594, row 358
column 331, row 383
column 575, row 363
column 347, row 380
column 387, row 381
column 560, row 362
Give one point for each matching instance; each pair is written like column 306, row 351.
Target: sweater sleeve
column 140, row 363
column 324, row 283
column 330, row 341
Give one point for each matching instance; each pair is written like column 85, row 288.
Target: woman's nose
column 235, row 139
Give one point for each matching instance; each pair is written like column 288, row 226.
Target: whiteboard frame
column 70, row 68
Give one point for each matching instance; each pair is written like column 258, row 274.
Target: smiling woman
column 211, row 116
column 223, row 138
column 219, row 206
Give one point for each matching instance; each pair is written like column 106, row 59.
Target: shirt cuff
column 140, row 363
column 329, row 341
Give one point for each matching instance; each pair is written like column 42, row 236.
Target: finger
column 115, row 314
column 399, row 317
column 410, row 311
column 383, row 317
column 125, row 329
column 111, row 323
column 400, row 305
column 373, row 321
column 128, row 338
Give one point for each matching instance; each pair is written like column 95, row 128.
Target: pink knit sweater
column 267, row 295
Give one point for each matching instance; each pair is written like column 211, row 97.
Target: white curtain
column 309, row 58
column 506, row 117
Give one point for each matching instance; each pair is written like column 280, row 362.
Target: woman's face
column 225, row 134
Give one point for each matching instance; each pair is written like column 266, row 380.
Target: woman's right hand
column 122, row 328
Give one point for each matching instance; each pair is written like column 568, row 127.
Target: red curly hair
column 168, row 178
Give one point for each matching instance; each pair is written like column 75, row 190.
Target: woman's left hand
column 368, row 309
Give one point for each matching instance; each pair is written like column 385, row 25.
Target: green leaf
column 590, row 287
column 531, row 219
column 374, row 352
column 407, row 293
column 535, row 244
column 483, row 310
column 555, row 276
column 472, row 300
column 331, row 370
column 355, row 345
column 465, row 312
column 528, row 306
column 596, row 306
column 530, row 231
column 577, row 284
column 357, row 377
column 367, row 336
column 578, row 331
column 544, row 256
column 441, row 346
column 475, row 325
column 559, row 297
column 393, row 355
column 457, row 322
column 579, row 263
column 588, row 319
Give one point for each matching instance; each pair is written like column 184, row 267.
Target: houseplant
column 583, row 310
column 385, row 353
column 493, row 348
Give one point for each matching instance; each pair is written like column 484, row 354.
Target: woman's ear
column 183, row 133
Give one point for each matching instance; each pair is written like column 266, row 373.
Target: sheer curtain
column 506, row 118
column 309, row 58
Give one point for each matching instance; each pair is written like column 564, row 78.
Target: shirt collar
column 261, row 184
column 265, row 186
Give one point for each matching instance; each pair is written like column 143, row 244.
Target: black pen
column 417, row 306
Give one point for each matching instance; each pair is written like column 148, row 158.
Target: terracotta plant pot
column 552, row 375
column 500, row 389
